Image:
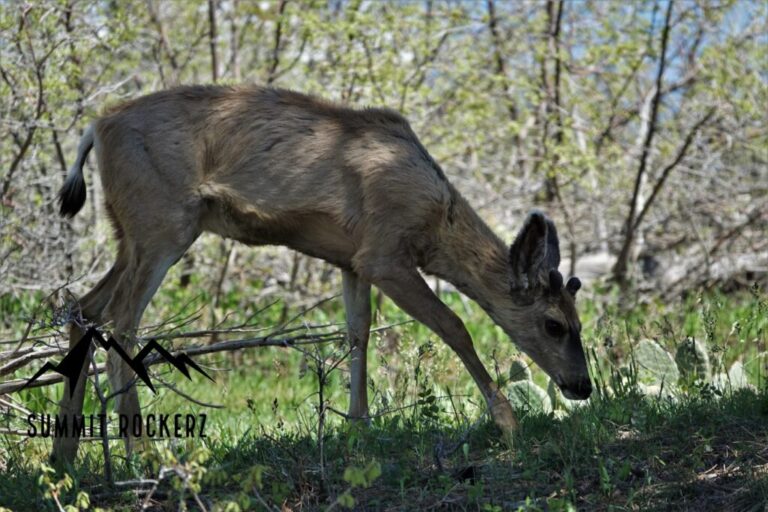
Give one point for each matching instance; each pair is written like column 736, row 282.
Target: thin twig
column 184, row 395
column 670, row 167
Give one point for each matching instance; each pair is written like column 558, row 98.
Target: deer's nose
column 579, row 390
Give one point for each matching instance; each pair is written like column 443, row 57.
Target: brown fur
column 353, row 187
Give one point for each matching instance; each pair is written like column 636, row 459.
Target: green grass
column 431, row 445
column 623, row 453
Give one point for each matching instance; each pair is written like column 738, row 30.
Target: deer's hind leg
column 91, row 307
column 357, row 303
column 149, row 261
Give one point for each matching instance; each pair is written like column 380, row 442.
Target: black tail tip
column 72, row 197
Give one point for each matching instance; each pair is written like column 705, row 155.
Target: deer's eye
column 554, row 328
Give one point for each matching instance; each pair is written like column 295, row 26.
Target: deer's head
column 543, row 321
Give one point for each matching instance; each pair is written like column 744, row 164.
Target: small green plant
column 57, row 490
column 357, row 477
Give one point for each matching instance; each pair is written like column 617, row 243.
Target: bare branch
column 276, row 48
column 620, row 268
column 223, row 346
column 212, row 35
column 670, row 167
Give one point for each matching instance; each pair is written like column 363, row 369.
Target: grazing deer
column 353, row 187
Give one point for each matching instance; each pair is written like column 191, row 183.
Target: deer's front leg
column 412, row 294
column 357, row 303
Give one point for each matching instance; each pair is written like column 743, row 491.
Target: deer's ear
column 573, row 285
column 535, row 252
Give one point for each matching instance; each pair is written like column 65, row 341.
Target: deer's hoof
column 504, row 417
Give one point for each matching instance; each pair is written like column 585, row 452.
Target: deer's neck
column 471, row 257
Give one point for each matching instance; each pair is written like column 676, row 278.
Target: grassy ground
column 624, row 453
column 431, row 447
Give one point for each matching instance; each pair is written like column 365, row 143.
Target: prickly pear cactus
column 737, row 376
column 720, row 381
column 524, row 395
column 519, row 371
column 654, row 364
column 554, row 395
column 658, row 390
column 693, row 360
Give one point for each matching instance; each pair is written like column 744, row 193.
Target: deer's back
column 274, row 158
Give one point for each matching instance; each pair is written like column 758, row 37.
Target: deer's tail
column 72, row 193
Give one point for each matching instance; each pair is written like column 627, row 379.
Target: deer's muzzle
column 579, row 390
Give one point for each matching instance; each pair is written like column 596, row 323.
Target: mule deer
column 353, row 187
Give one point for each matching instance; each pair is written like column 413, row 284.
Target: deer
column 353, row 187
